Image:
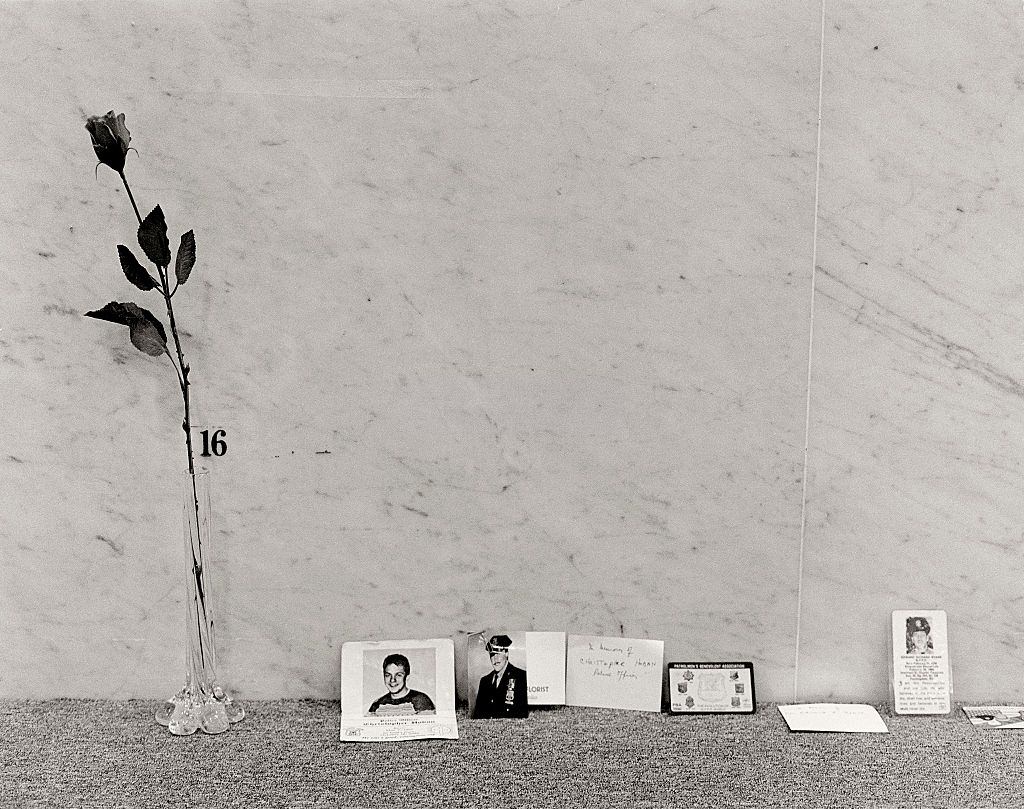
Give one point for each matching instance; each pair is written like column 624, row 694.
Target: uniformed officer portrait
column 501, row 693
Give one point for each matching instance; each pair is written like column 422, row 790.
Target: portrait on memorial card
column 403, row 693
column 919, row 635
column 395, row 690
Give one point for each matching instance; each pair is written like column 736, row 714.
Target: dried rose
column 110, row 139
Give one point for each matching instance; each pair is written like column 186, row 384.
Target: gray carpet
column 76, row 753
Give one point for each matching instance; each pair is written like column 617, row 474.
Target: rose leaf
column 134, row 271
column 186, row 257
column 153, row 238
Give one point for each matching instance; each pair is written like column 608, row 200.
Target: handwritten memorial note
column 620, row 673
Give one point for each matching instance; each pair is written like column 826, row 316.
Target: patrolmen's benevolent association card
column 711, row 688
column 921, row 680
column 397, row 690
column 614, row 672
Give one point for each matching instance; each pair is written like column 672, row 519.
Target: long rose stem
column 183, row 376
column 132, row 198
column 186, row 425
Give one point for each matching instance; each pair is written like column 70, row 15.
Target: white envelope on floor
column 833, row 718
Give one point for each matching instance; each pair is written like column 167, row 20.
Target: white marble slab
column 504, row 309
column 914, row 492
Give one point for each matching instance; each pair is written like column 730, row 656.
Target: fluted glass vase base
column 201, row 704
column 186, row 712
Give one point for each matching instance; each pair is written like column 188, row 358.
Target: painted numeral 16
column 215, row 444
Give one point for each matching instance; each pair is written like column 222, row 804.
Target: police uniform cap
column 499, row 643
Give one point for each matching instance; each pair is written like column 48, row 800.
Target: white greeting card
column 611, row 672
column 398, row 690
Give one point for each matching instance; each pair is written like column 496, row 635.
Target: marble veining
column 915, row 471
column 505, row 310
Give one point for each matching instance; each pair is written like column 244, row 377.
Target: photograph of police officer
column 501, row 691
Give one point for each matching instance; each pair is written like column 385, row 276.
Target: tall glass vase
column 201, row 704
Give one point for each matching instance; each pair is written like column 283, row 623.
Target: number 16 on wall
column 213, row 443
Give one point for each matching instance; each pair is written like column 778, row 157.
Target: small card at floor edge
column 996, row 717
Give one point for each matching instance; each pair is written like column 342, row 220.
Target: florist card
column 546, row 651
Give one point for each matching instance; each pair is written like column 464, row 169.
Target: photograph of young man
column 400, row 699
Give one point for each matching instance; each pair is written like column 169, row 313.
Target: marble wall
column 917, row 384
column 518, row 313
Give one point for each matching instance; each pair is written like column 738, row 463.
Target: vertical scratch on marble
column 810, row 363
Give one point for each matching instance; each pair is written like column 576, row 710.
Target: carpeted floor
column 77, row 753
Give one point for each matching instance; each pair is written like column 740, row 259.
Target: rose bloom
column 110, row 139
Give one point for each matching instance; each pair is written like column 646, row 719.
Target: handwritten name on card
column 623, row 673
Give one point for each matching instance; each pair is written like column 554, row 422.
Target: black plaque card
column 711, row 688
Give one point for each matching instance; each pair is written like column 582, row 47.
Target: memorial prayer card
column 921, row 681
column 623, row 673
column 398, row 690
